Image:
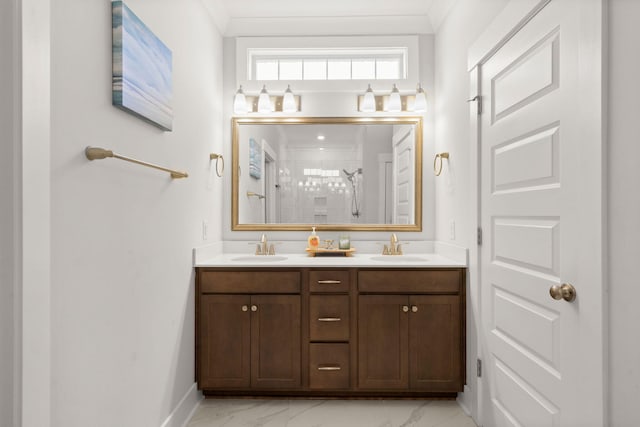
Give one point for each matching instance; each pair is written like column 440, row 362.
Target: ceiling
column 327, row 17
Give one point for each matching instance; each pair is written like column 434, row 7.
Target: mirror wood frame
column 236, row 122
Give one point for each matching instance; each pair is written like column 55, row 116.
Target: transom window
column 328, row 64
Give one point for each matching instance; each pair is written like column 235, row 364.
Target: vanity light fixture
column 369, row 102
column 240, row 102
column 420, row 104
column 395, row 104
column 289, row 102
column 392, row 103
column 264, row 103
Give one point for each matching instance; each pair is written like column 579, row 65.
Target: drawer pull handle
column 329, row 282
column 329, row 368
column 329, row 319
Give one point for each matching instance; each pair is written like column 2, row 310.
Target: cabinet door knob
column 254, row 308
column 414, row 308
column 245, row 308
column 405, row 308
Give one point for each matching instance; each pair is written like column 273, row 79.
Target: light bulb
column 420, row 104
column 395, row 105
column 240, row 102
column 288, row 101
column 264, row 103
column 369, row 101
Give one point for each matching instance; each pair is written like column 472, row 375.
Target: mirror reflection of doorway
column 272, row 199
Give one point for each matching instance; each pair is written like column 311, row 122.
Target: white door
column 541, row 217
column 403, row 172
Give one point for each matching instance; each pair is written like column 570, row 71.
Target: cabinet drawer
column 329, row 281
column 410, row 281
column 329, row 366
column 329, row 317
column 239, row 282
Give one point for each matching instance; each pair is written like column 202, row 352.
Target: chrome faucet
column 394, row 247
column 263, row 248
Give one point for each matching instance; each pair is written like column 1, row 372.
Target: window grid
column 263, row 60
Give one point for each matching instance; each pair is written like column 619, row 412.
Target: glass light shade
column 395, row 104
column 420, row 104
column 264, row 103
column 369, row 101
column 288, row 101
column 240, row 102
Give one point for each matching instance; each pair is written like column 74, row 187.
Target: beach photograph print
column 141, row 69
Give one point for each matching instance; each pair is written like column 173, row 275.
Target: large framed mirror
column 347, row 173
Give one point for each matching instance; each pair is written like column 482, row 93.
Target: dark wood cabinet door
column 383, row 335
column 435, row 343
column 275, row 341
column 223, row 341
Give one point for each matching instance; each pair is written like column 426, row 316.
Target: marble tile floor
column 329, row 413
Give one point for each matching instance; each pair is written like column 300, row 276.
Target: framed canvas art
column 255, row 159
column 142, row 69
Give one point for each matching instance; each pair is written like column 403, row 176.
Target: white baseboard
column 462, row 400
column 185, row 409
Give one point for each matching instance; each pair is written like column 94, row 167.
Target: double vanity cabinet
column 330, row 332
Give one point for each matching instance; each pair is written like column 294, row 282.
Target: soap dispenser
column 313, row 240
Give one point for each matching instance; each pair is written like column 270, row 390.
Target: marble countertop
column 303, row 260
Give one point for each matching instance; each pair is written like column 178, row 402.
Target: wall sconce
column 369, row 102
column 420, row 104
column 240, row 102
column 289, row 102
column 393, row 103
column 264, row 103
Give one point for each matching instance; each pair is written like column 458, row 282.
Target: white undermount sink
column 259, row 258
column 398, row 258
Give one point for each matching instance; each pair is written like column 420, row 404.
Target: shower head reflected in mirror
column 350, row 175
column 355, row 196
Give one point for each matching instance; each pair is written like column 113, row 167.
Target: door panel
column 224, row 341
column 539, row 205
column 275, row 341
column 403, row 174
column 434, row 337
column 383, row 342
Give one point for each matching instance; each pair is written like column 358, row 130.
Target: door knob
column 414, row 308
column 565, row 291
column 405, row 308
column 245, row 308
column 254, row 308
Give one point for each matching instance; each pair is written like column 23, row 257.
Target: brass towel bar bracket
column 252, row 194
column 437, row 165
column 97, row 153
column 219, row 160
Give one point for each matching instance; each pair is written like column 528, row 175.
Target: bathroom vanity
column 330, row 328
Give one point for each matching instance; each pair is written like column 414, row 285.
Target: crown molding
column 328, row 26
column 218, row 14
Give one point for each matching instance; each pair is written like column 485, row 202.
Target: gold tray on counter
column 330, row 252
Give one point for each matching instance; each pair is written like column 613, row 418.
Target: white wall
column 337, row 104
column 465, row 22
column 7, row 225
column 624, row 212
column 122, row 235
